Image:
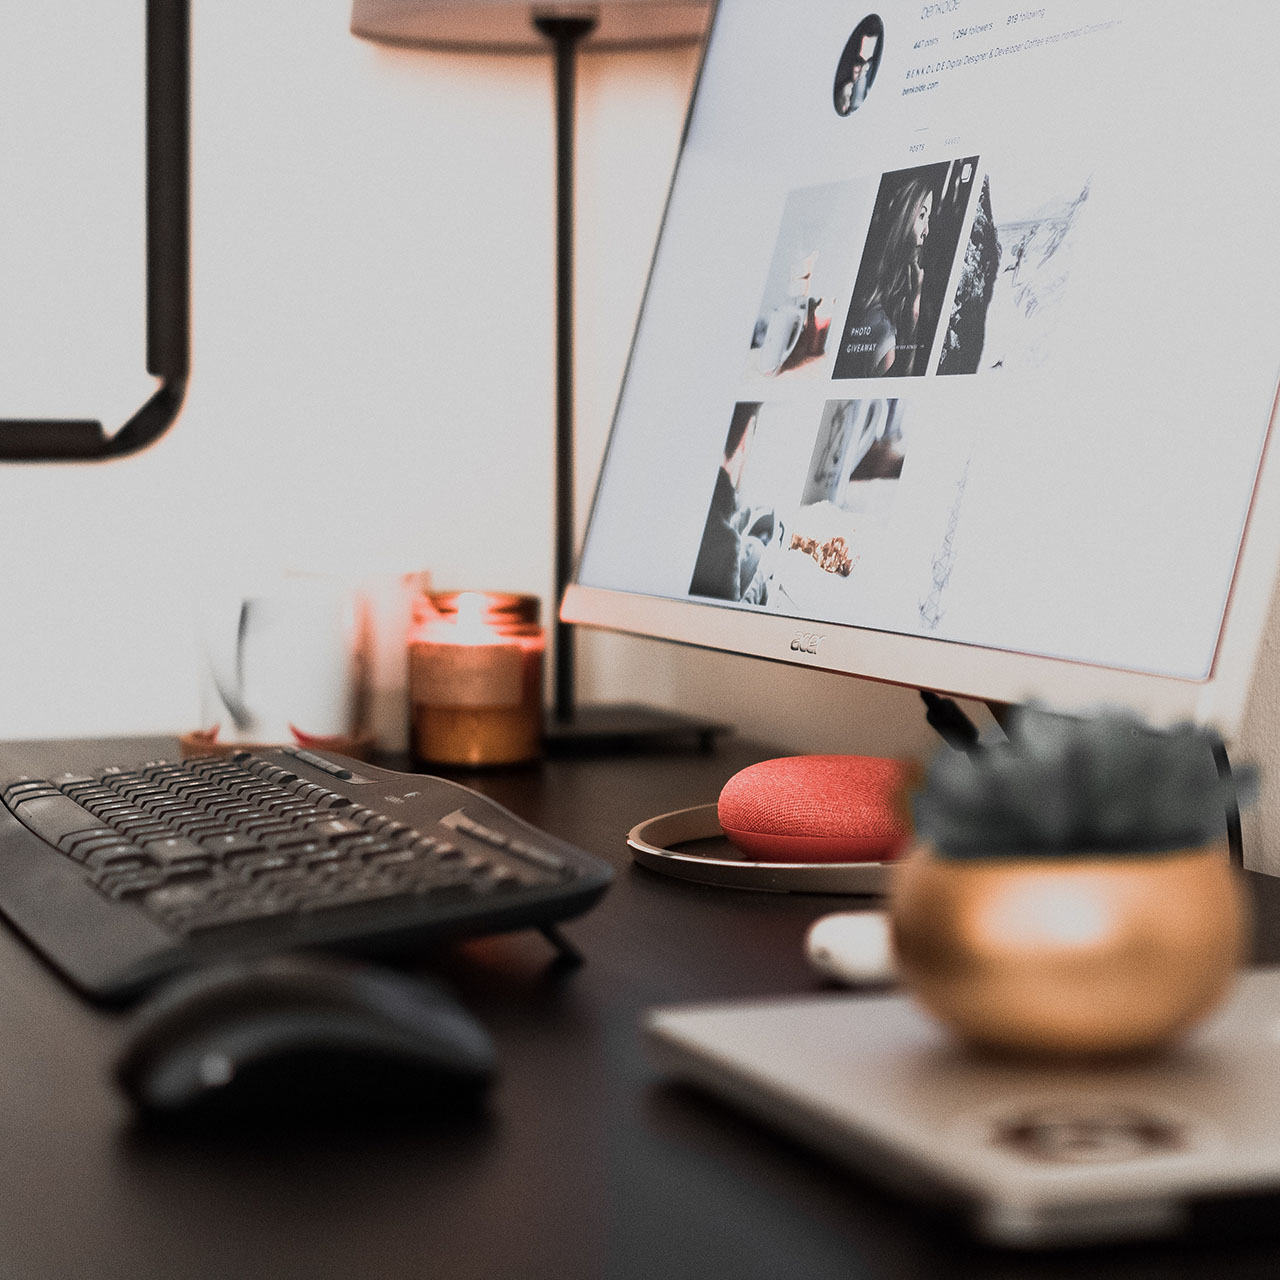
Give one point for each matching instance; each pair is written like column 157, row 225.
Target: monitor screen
column 959, row 353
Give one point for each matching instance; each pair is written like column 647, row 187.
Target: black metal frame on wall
column 168, row 265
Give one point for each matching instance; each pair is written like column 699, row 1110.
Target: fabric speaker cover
column 819, row 809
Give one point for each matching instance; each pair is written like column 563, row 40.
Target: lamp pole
column 566, row 36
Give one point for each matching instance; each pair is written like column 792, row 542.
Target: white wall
column 372, row 351
column 372, row 347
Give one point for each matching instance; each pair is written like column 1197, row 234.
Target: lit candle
column 475, row 678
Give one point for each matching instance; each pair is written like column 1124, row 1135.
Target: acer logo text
column 806, row 642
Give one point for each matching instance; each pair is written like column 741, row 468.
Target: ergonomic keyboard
column 121, row 872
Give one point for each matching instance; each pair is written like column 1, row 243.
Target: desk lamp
column 521, row 27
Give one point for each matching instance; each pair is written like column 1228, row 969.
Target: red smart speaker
column 819, row 809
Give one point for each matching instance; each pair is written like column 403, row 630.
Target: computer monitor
column 959, row 353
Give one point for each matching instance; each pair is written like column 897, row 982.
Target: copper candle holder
column 475, row 678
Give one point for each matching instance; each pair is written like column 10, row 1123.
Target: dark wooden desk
column 587, row 1163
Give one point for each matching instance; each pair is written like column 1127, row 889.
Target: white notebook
column 1033, row 1155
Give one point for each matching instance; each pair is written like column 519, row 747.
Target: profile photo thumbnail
column 856, row 70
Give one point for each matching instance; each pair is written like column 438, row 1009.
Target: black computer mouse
column 298, row 1032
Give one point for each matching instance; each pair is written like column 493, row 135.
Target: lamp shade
column 506, row 26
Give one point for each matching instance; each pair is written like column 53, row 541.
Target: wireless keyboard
column 123, row 872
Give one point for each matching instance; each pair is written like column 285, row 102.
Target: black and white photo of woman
column 907, row 259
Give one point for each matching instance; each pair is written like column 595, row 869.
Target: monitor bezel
column 997, row 677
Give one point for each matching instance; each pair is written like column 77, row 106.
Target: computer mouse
column 302, row 1032
column 853, row 947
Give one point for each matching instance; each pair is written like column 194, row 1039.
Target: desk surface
column 587, row 1165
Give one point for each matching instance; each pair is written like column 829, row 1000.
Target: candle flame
column 471, row 627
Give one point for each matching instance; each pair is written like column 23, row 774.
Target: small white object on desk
column 854, row 947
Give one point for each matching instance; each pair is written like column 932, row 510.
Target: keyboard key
column 382, row 854
column 65, row 780
column 54, row 817
column 227, row 813
column 18, row 791
column 361, row 843
column 503, row 878
column 288, row 878
column 179, row 873
column 81, row 843
column 179, row 897
column 388, row 828
column 120, row 857
column 229, row 843
column 173, row 849
column 88, row 791
column 319, row 762
column 469, row 826
column 254, row 864
column 324, row 855
column 130, row 884
column 183, row 814
column 297, row 843
column 84, row 849
column 121, row 777
column 141, row 831
column 336, row 827
column 139, row 793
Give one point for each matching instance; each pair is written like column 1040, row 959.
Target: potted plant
column 1071, row 892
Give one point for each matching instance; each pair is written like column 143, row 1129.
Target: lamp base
column 621, row 728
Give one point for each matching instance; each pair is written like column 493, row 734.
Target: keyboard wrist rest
column 123, row 946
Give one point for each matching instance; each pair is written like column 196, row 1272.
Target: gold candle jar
column 475, row 678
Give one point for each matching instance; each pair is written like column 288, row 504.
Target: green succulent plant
column 1101, row 785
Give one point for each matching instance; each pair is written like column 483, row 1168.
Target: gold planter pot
column 1069, row 956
